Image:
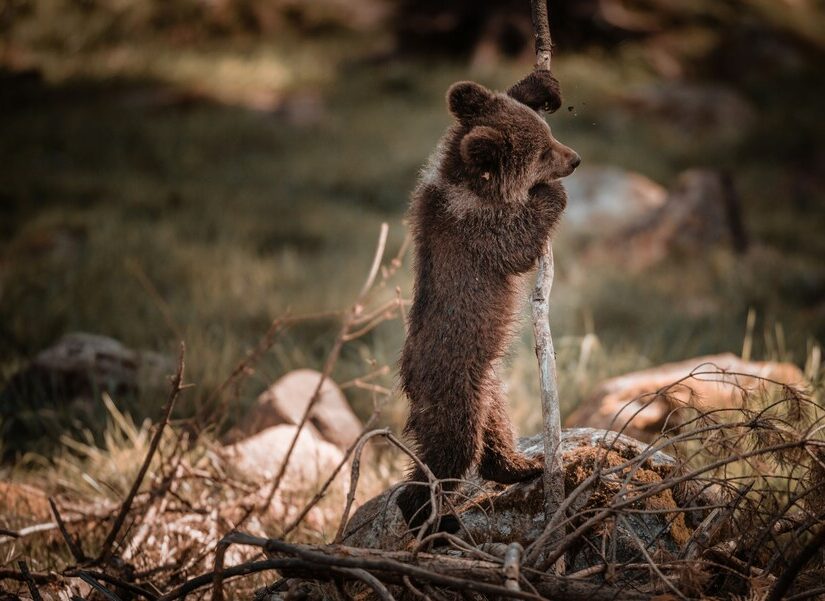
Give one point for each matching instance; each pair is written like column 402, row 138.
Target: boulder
column 642, row 401
column 259, row 458
column 701, row 212
column 604, row 200
column 63, row 384
column 81, row 365
column 286, row 401
column 494, row 513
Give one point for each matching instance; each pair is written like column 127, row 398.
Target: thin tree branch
column 74, row 545
column 29, row 580
column 787, row 578
column 553, row 478
column 177, row 386
column 541, row 26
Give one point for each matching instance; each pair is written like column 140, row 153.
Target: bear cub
column 486, row 204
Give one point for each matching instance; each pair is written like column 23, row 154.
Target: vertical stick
column 541, row 26
column 551, row 417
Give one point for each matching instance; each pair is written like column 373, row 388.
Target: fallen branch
column 786, row 580
column 390, row 567
column 118, row 582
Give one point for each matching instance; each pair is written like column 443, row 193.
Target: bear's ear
column 467, row 99
column 539, row 90
column 482, row 147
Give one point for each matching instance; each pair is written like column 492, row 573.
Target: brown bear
column 480, row 217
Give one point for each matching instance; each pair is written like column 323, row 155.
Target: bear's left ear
column 482, row 147
column 467, row 100
column 539, row 90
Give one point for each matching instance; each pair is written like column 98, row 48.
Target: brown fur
column 539, row 90
column 480, row 217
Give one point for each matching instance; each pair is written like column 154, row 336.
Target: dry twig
column 177, row 385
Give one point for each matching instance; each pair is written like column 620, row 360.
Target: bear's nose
column 576, row 161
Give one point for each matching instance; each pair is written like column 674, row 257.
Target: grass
column 128, row 209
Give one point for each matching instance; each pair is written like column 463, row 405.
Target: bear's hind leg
column 448, row 448
column 501, row 462
column 415, row 505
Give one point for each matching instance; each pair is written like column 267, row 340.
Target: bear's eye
column 547, row 154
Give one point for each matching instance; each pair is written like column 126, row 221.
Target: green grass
column 148, row 221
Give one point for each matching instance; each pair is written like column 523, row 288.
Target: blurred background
column 193, row 169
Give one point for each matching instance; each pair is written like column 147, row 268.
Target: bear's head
column 500, row 147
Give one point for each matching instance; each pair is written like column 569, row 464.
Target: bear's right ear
column 467, row 100
column 482, row 148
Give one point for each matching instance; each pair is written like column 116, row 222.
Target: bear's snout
column 575, row 161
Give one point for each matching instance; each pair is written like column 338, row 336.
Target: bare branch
column 376, row 585
column 541, row 26
column 553, row 477
column 177, row 386
column 74, row 545
column 29, row 580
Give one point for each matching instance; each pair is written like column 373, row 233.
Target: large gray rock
column 286, row 401
column 701, row 213
column 604, row 200
column 502, row 514
column 61, row 387
column 89, row 363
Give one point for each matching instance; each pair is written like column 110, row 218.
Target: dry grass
column 760, row 465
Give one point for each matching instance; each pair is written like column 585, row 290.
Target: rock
column 261, row 455
column 638, row 400
column 286, row 400
column 605, row 200
column 88, row 363
column 701, row 212
column 496, row 513
column 63, row 384
column 313, row 460
column 106, row 362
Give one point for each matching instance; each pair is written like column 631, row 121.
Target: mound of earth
column 493, row 513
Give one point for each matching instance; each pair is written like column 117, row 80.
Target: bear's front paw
column 534, row 467
column 511, row 469
column 539, row 90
